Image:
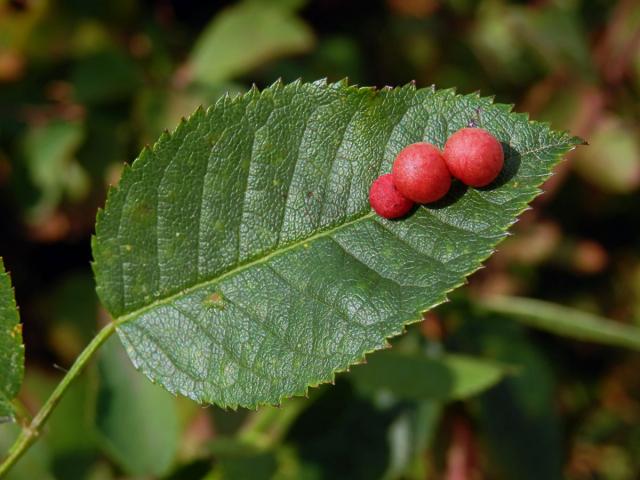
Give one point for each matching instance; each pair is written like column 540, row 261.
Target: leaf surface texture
column 11, row 347
column 240, row 256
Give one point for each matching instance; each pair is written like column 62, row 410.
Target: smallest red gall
column 386, row 200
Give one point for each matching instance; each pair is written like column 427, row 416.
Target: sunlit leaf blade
column 565, row 321
column 418, row 377
column 11, row 348
column 240, row 256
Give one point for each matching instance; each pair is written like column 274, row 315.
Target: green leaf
column 137, row 421
column 245, row 36
column 556, row 35
column 11, row 348
column 612, row 161
column 564, row 321
column 409, row 437
column 418, row 377
column 49, row 152
column 240, row 256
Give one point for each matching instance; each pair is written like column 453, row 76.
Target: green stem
column 30, row 433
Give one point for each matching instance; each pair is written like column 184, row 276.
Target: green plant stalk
column 564, row 321
column 31, row 432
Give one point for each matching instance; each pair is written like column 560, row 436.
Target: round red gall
column 386, row 200
column 420, row 173
column 474, row 156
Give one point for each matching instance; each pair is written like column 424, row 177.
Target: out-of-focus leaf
column 89, row 37
column 563, row 104
column 261, row 466
column 612, row 161
column 497, row 43
column 290, row 4
column 556, row 35
column 635, row 66
column 518, row 417
column 325, row 436
column 245, row 36
column 334, row 57
column 69, row 433
column 106, row 76
column 418, row 377
column 564, row 321
column 11, row 347
column 239, row 461
column 137, row 421
column 240, row 256
column 409, row 436
column 292, row 467
column 16, row 27
column 616, row 48
column 104, row 471
column 49, row 152
column 159, row 110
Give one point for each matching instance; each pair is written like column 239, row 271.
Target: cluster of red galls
column 422, row 174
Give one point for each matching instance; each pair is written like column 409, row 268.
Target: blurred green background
column 84, row 85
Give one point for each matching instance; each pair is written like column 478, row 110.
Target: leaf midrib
column 239, row 268
column 123, row 319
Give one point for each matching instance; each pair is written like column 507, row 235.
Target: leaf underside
column 240, row 256
column 11, row 348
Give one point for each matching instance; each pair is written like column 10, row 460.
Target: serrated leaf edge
column 4, row 272
column 570, row 141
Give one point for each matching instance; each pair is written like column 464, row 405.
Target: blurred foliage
column 136, row 421
column 84, row 85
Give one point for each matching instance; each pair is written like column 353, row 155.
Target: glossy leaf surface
column 240, row 256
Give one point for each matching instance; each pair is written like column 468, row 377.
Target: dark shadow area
column 73, row 465
column 403, row 375
column 196, row 470
column 512, row 161
column 455, row 193
column 343, row 436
